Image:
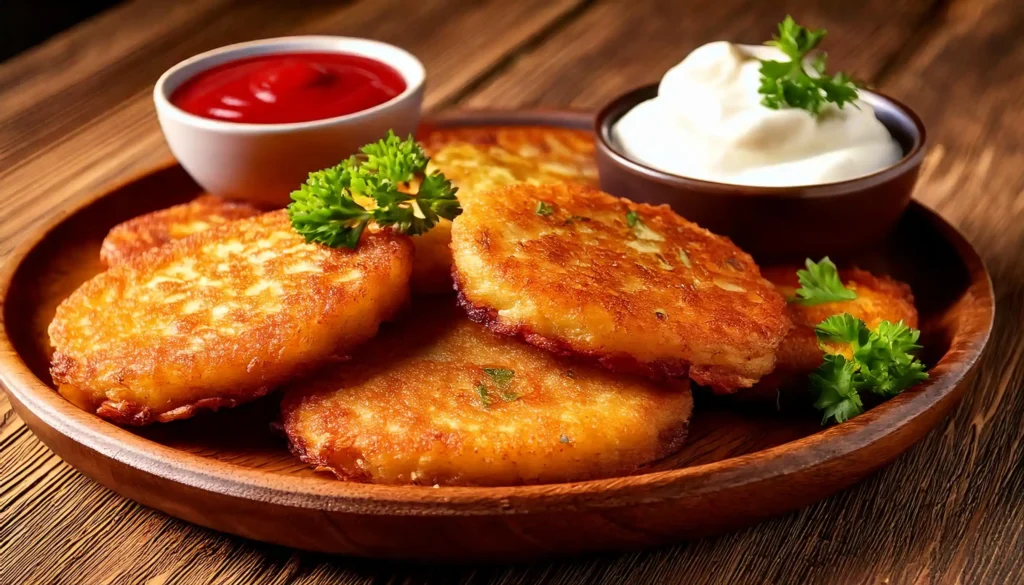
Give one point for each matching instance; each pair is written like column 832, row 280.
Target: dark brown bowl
column 775, row 223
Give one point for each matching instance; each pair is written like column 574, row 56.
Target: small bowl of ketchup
column 250, row 121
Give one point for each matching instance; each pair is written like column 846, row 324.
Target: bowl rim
column 613, row 111
column 813, row 452
column 408, row 66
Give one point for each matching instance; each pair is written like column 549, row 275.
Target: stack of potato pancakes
column 549, row 334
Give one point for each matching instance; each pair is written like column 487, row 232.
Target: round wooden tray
column 231, row 472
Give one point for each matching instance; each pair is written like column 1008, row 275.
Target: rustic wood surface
column 75, row 116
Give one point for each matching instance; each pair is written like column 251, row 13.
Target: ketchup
column 289, row 87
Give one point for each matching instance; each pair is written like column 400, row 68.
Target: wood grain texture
column 599, row 55
column 951, row 510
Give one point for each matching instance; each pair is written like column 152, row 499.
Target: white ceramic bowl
column 264, row 163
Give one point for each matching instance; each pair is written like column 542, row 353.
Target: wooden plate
column 230, row 472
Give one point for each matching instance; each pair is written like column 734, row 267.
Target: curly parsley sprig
column 881, row 363
column 787, row 84
column 326, row 210
column 820, row 283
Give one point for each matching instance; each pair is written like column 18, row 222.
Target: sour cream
column 708, row 123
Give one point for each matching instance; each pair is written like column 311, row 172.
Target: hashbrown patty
column 137, row 235
column 221, row 317
column 408, row 409
column 477, row 159
column 663, row 298
column 551, row 149
column 879, row 298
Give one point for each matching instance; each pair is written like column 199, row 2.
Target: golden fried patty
column 220, row 317
column 133, row 237
column 879, row 298
column 559, row 151
column 417, row 405
column 482, row 158
column 663, row 297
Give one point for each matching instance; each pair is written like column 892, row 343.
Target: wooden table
column 76, row 116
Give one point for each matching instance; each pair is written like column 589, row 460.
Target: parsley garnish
column 838, row 397
column 544, row 209
column 325, row 208
column 485, row 395
column 882, row 364
column 820, row 283
column 843, row 328
column 786, row 84
column 501, row 376
column 640, row 229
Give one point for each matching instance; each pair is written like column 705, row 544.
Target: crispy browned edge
column 130, row 414
column 622, row 362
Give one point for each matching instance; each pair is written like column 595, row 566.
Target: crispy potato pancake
column 220, row 317
column 663, row 297
column 483, row 158
column 133, row 237
column 879, row 298
column 409, row 408
column 549, row 149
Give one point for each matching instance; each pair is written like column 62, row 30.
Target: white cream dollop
column 708, row 123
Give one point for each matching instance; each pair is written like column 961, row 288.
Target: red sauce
column 289, row 87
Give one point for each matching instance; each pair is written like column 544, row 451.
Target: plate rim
column 228, row 479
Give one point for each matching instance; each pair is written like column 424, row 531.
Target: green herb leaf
column 437, row 194
column 837, row 395
column 640, row 230
column 502, row 377
column 887, row 364
column 323, row 212
column 786, row 84
column 485, row 395
column 820, row 283
column 393, row 159
column 544, row 209
column 843, row 328
column 882, row 364
column 325, row 208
